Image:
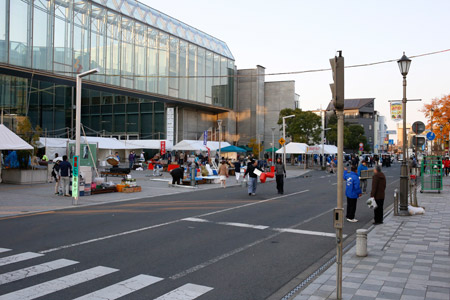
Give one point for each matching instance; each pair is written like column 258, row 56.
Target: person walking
column 253, row 178
column 181, row 160
column 55, row 174
column 363, row 181
column 177, row 175
column 447, row 166
column 65, row 172
column 237, row 170
column 280, row 172
column 223, row 174
column 353, row 192
column 131, row 158
column 378, row 193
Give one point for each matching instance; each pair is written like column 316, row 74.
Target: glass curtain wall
column 72, row 36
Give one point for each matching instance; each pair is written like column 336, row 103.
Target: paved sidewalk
column 25, row 199
column 408, row 258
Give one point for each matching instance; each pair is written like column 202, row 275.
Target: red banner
column 163, row 147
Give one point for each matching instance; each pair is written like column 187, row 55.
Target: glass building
column 148, row 62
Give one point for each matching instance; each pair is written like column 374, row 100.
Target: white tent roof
column 149, row 144
column 294, row 148
column 194, row 145
column 53, row 142
column 317, row 149
column 11, row 141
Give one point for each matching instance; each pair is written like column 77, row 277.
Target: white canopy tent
column 294, row 148
column 194, row 145
column 317, row 149
column 11, row 141
column 149, row 144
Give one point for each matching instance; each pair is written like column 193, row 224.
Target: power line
column 265, row 74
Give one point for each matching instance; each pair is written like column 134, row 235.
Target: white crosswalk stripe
column 186, row 292
column 18, row 257
column 4, row 250
column 58, row 284
column 121, row 289
column 35, row 270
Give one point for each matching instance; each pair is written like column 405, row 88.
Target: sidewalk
column 408, row 258
column 25, row 199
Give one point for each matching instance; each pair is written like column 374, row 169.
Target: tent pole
column 92, row 157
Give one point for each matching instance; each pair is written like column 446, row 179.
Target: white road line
column 307, row 232
column 35, row 270
column 198, row 220
column 163, row 224
column 186, row 292
column 58, row 284
column 121, row 289
column 18, row 257
column 334, row 183
column 4, row 250
column 260, row 227
column 250, row 204
column 240, row 249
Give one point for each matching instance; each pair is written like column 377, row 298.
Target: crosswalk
column 123, row 289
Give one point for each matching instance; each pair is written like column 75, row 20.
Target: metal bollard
column 396, row 202
column 361, row 242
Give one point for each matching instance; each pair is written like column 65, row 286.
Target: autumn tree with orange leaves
column 441, row 116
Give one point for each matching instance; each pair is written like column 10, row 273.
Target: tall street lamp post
column 219, row 123
column 78, row 128
column 404, row 64
column 431, row 128
column 273, row 145
column 284, row 138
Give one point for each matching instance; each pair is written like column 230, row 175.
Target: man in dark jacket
column 378, row 188
column 353, row 192
column 65, row 172
column 177, row 174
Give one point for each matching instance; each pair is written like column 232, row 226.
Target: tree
column 441, row 115
column 257, row 147
column 353, row 135
column 305, row 127
column 27, row 133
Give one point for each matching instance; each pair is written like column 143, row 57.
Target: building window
column 370, row 127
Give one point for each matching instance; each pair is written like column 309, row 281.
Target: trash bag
column 371, row 203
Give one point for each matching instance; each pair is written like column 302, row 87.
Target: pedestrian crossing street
column 118, row 290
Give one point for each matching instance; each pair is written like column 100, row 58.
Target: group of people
column 355, row 188
column 62, row 172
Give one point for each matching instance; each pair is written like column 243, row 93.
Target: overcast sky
column 294, row 35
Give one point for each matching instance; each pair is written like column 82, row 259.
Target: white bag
column 371, row 203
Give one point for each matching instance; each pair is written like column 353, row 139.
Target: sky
column 295, row 35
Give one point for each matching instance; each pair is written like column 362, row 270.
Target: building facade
column 259, row 104
column 158, row 77
column 361, row 112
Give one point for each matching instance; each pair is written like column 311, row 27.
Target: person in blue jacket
column 362, row 166
column 352, row 191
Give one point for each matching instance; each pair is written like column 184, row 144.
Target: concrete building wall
column 278, row 95
column 250, row 104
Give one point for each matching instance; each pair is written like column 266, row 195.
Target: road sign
column 75, row 176
column 418, row 127
column 391, row 131
column 361, row 145
column 281, row 141
column 391, row 142
column 418, row 141
column 431, row 136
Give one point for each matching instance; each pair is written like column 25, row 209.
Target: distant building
column 259, row 104
column 360, row 111
column 380, row 134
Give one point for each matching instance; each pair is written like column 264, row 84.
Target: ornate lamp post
column 404, row 63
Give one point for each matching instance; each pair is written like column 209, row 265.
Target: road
column 211, row 244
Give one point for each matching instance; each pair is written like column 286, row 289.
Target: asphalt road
column 211, row 244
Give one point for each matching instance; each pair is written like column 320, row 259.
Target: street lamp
column 219, row 123
column 284, row 138
column 273, row 146
column 431, row 128
column 404, row 63
column 78, row 129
